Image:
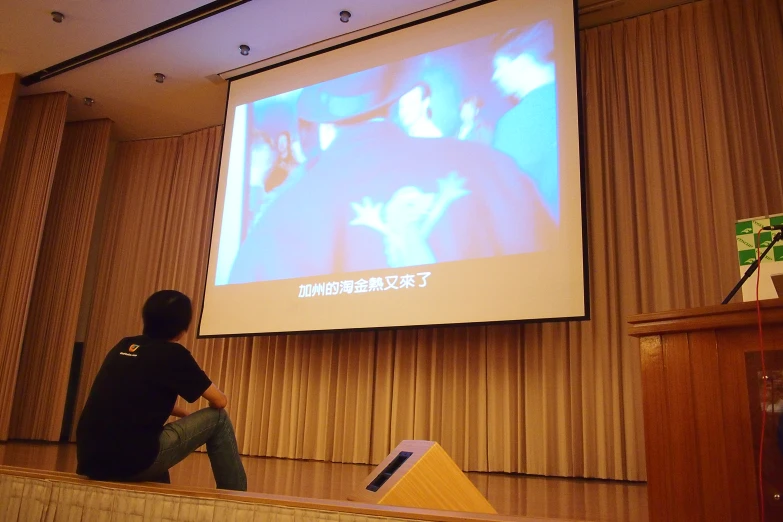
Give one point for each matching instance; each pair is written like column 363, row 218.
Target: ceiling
column 193, row 95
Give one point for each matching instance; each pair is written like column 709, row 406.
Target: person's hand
column 216, row 398
column 452, row 187
column 368, row 214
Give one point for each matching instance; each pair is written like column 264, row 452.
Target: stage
column 511, row 495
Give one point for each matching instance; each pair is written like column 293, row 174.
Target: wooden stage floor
column 515, row 495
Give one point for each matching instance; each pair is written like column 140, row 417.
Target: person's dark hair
column 537, row 41
column 166, row 314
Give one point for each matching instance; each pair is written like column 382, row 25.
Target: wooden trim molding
column 717, row 317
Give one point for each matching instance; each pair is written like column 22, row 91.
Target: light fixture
column 88, row 102
column 159, row 77
column 244, row 50
column 57, row 17
column 345, row 16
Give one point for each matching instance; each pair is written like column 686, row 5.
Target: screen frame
column 582, row 177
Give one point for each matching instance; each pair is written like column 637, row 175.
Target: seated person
column 121, row 434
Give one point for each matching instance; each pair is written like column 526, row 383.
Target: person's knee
column 218, row 415
column 211, row 413
column 225, row 421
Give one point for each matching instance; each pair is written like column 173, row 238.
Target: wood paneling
column 705, row 375
column 698, row 433
column 682, row 442
column 656, row 426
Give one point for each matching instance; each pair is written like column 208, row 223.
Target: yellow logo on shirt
column 133, row 348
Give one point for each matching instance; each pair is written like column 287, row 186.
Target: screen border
column 582, row 176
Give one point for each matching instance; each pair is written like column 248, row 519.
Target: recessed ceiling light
column 244, row 50
column 345, row 16
column 159, row 77
column 57, row 17
column 88, row 102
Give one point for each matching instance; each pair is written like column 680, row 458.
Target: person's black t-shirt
column 133, row 395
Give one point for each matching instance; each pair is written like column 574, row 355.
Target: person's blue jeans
column 179, row 439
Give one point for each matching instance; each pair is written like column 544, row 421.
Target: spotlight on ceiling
column 345, row 16
column 244, row 50
column 159, row 77
column 57, row 17
column 88, row 102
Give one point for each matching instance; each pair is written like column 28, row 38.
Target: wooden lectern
column 701, row 393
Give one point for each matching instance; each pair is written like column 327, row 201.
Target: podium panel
column 420, row 474
column 702, row 398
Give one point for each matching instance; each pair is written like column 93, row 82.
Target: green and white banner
column 747, row 241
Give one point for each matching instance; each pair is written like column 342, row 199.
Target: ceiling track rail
column 598, row 6
column 145, row 35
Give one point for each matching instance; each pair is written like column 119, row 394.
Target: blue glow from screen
column 447, row 156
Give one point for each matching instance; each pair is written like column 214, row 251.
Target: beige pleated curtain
column 683, row 122
column 47, row 348
column 26, row 173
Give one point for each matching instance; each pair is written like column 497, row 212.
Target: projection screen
column 429, row 175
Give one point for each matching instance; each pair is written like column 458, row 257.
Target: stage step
column 50, row 496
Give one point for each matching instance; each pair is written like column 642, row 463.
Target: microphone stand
column 752, row 268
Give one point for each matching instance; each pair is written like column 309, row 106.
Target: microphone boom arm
column 752, row 268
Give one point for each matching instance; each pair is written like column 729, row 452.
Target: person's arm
column 217, row 399
column 179, row 411
column 189, row 380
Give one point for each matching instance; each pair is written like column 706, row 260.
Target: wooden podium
column 701, row 389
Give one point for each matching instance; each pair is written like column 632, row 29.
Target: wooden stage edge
column 324, row 486
column 259, row 498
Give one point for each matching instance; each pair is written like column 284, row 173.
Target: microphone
column 779, row 228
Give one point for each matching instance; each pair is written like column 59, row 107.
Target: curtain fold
column 131, row 243
column 26, row 174
column 47, row 347
column 683, row 130
column 9, row 87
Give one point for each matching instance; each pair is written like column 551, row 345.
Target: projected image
column 444, row 157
